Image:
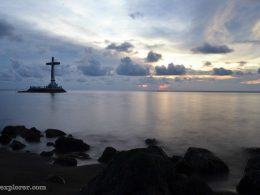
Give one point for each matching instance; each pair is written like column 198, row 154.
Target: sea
column 225, row 123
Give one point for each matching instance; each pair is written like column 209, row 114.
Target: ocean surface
column 225, row 123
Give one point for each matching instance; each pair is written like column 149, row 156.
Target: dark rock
column 151, row 142
column 13, row 131
column 50, row 133
column 205, row 163
column 78, row 155
column 5, row 139
column 183, row 185
column 253, row 151
column 67, row 144
column 50, row 144
column 176, row 158
column 107, row 155
column 253, row 164
column 56, row 179
column 134, row 172
column 157, row 150
column 32, row 135
column 183, row 167
column 66, row 161
column 16, row 145
column 46, row 154
column 249, row 184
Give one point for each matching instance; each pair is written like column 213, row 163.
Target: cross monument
column 53, row 84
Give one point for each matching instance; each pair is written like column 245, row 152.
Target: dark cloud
column 136, row 15
column 93, row 68
column 128, row 67
column 170, row 70
column 242, row 63
column 124, row 47
column 258, row 71
column 212, row 49
column 153, row 57
column 222, row 71
column 7, row 31
column 207, row 64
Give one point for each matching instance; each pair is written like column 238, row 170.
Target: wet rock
column 253, row 164
column 50, row 144
column 50, row 133
column 205, row 163
column 253, row 151
column 78, row 155
column 107, row 155
column 249, row 184
column 67, row 144
column 46, row 154
column 66, row 161
column 16, row 145
column 13, row 131
column 183, row 167
column 56, row 179
column 137, row 171
column 183, row 185
column 32, row 135
column 5, row 139
column 151, row 142
column 176, row 158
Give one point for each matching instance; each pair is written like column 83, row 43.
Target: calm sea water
column 225, row 123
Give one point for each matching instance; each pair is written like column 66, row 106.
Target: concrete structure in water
column 53, row 87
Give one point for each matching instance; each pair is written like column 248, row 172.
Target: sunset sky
column 122, row 45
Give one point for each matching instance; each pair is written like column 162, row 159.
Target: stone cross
column 52, row 63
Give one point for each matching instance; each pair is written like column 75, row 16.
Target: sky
column 132, row 45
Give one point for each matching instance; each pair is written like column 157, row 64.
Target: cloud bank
column 212, row 49
column 170, row 70
column 124, row 47
column 222, row 71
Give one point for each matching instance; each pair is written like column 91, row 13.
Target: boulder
column 107, row 155
column 183, row 167
column 66, row 161
column 78, row 155
column 13, row 131
column 56, row 179
column 138, row 171
column 16, row 145
column 249, row 184
column 46, row 154
column 253, row 164
column 50, row 133
column 5, row 139
column 32, row 135
column 205, row 163
column 50, row 144
column 151, row 142
column 68, row 144
column 183, row 185
column 225, row 193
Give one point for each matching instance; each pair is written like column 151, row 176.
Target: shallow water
column 225, row 123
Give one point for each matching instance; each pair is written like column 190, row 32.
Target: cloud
column 222, row 71
column 258, row 71
column 136, row 15
column 7, row 31
column 207, row 64
column 170, row 70
column 128, row 67
column 212, row 49
column 153, row 57
column 93, row 68
column 124, row 47
column 242, row 63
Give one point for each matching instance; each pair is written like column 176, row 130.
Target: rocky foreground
column 138, row 171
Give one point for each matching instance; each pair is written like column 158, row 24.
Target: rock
column 205, row 163
column 157, row 150
column 138, row 171
column 16, row 145
column 250, row 183
column 183, row 167
column 151, row 142
column 253, row 164
column 46, row 154
column 253, row 151
column 66, row 161
column 183, row 185
column 107, row 155
column 13, row 131
column 56, row 179
column 176, row 158
column 67, row 144
column 50, row 144
column 50, row 133
column 32, row 135
column 5, row 139
column 78, row 155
